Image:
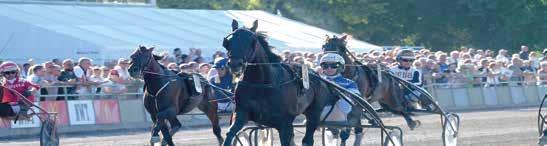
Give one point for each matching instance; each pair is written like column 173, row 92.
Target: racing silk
column 347, row 84
column 20, row 85
column 409, row 74
column 225, row 83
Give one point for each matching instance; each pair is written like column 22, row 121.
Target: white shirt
column 408, row 74
column 124, row 73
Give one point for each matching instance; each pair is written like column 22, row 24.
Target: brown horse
column 375, row 86
column 168, row 94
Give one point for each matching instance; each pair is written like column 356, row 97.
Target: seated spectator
column 114, row 83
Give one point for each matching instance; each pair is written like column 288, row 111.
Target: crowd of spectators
column 465, row 67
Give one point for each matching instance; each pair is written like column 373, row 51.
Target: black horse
column 269, row 92
column 168, row 94
column 375, row 86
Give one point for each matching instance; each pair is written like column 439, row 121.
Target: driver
column 332, row 65
column 12, row 87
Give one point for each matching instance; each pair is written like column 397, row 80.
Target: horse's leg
column 175, row 125
column 358, row 135
column 162, row 116
column 409, row 121
column 286, row 134
column 313, row 118
column 240, row 121
column 344, row 135
column 210, row 109
column 155, row 130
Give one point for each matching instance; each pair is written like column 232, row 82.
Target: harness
column 295, row 77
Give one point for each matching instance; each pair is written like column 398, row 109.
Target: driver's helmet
column 330, row 59
column 220, row 62
column 9, row 66
column 405, row 55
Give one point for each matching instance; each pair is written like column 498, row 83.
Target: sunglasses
column 10, row 72
column 330, row 65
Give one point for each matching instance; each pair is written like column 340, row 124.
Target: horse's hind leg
column 210, row 108
column 240, row 121
column 410, row 122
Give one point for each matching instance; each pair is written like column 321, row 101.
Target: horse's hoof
column 174, row 130
column 414, row 124
column 154, row 140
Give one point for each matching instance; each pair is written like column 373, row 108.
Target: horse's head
column 241, row 46
column 335, row 44
column 141, row 60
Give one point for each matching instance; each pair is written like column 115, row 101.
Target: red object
column 19, row 85
column 106, row 111
column 9, row 66
column 59, row 107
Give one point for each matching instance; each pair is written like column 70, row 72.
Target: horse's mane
column 261, row 37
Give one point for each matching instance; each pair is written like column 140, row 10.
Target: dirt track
column 509, row 127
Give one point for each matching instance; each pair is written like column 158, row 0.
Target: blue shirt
column 225, row 83
column 347, row 84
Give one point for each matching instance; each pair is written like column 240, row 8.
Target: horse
column 269, row 92
column 168, row 94
column 386, row 89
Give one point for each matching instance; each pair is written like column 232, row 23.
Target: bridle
column 251, row 53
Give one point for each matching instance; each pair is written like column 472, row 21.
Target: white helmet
column 332, row 57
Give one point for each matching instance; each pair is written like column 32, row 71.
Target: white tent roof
column 45, row 31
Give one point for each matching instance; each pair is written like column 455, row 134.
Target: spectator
column 97, row 77
column 542, row 73
column 493, row 73
column 37, row 77
column 534, row 60
column 114, row 83
column 25, row 70
column 173, row 67
column 104, row 72
column 516, row 68
column 82, row 72
column 204, row 69
column 187, row 68
column 122, row 68
column 68, row 77
column 454, row 57
column 502, row 55
column 52, row 77
column 177, row 54
column 57, row 61
column 523, row 54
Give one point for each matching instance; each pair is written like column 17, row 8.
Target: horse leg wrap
column 154, row 140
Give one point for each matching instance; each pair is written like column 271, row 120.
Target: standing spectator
column 493, row 73
column 82, row 72
column 516, row 68
column 53, row 79
column 502, row 55
column 96, row 76
column 454, row 57
column 204, row 69
column 68, row 77
column 523, row 54
column 173, row 67
column 115, row 83
column 37, row 77
column 177, row 54
column 122, row 68
column 534, row 60
column 25, row 70
column 542, row 73
column 56, row 61
column 442, row 61
column 104, row 72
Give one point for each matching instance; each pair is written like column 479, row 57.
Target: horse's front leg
column 155, row 131
column 240, row 121
column 313, row 120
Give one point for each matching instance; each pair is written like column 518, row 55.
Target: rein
column 265, row 85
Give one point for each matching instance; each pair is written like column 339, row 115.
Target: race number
column 197, row 83
column 81, row 112
column 305, row 77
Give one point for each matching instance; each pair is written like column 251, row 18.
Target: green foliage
column 440, row 24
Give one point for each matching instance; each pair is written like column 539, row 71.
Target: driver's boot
column 543, row 138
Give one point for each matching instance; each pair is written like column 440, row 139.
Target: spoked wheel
column 394, row 138
column 48, row 133
column 242, row 139
column 451, row 125
column 329, row 137
column 262, row 137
